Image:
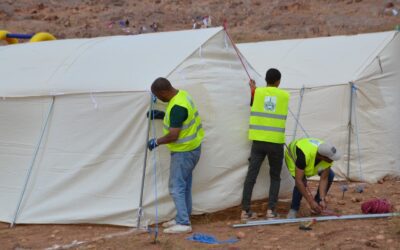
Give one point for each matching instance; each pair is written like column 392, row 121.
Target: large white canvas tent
column 322, row 73
column 73, row 127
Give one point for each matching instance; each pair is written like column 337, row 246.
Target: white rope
column 356, row 130
column 93, row 100
column 298, row 113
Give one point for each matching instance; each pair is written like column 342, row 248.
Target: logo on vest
column 315, row 142
column 270, row 103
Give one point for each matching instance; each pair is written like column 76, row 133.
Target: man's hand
column 252, row 84
column 152, row 144
column 322, row 204
column 315, row 207
column 155, row 114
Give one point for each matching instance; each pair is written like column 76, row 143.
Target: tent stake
column 28, row 175
column 322, row 218
column 350, row 129
column 298, row 113
column 140, row 209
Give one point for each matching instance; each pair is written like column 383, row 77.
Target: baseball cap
column 327, row 150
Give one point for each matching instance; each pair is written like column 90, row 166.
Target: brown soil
column 350, row 234
column 248, row 20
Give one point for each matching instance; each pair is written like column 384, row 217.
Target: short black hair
column 272, row 76
column 161, row 84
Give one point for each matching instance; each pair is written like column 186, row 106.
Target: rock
column 371, row 243
column 52, row 236
column 91, row 246
column 260, row 231
column 58, row 238
column 267, row 247
column 380, row 237
column 397, row 207
column 312, row 234
column 341, row 202
column 274, row 239
column 240, row 235
column 355, row 199
column 389, row 241
column 381, row 181
column 56, row 231
column 228, row 224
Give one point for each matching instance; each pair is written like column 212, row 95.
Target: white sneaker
column 177, row 229
column 169, row 223
column 292, row 214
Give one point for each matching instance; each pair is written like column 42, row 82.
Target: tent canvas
column 90, row 97
column 322, row 73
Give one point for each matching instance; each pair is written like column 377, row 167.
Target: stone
column 240, row 235
column 389, row 241
column 267, row 247
column 260, row 231
column 341, row 202
column 380, row 237
column 355, row 199
column 56, row 231
column 381, row 181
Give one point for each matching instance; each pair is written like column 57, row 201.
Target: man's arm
column 172, row 136
column 299, row 175
column 323, row 184
column 253, row 86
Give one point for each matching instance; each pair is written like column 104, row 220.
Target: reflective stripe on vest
column 191, row 133
column 309, row 147
column 268, row 115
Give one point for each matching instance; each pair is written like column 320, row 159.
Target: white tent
column 320, row 73
column 73, row 126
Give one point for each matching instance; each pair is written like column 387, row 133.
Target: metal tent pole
column 140, row 209
column 28, row 175
column 298, row 113
column 350, row 129
column 322, row 218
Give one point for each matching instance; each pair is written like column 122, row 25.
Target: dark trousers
column 259, row 150
column 297, row 196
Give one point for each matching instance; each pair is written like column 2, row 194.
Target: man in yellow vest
column 183, row 134
column 308, row 157
column 267, row 131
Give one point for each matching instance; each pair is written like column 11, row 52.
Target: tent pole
column 298, row 113
column 33, row 162
column 140, row 209
column 350, row 129
column 321, row 218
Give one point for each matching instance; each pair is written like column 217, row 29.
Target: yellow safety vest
column 191, row 133
column 268, row 115
column 309, row 146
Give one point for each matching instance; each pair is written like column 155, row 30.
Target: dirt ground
column 349, row 234
column 248, row 20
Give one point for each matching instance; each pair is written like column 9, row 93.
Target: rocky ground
column 350, row 234
column 248, row 20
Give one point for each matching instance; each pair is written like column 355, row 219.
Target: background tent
column 89, row 97
column 320, row 73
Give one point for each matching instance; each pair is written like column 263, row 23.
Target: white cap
column 327, row 150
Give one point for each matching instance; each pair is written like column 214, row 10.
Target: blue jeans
column 297, row 196
column 180, row 182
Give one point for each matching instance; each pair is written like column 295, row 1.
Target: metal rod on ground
column 322, row 218
column 298, row 113
column 350, row 129
column 140, row 209
column 28, row 175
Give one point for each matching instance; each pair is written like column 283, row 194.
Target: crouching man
column 308, row 157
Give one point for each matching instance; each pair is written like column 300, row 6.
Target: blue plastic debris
column 209, row 239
